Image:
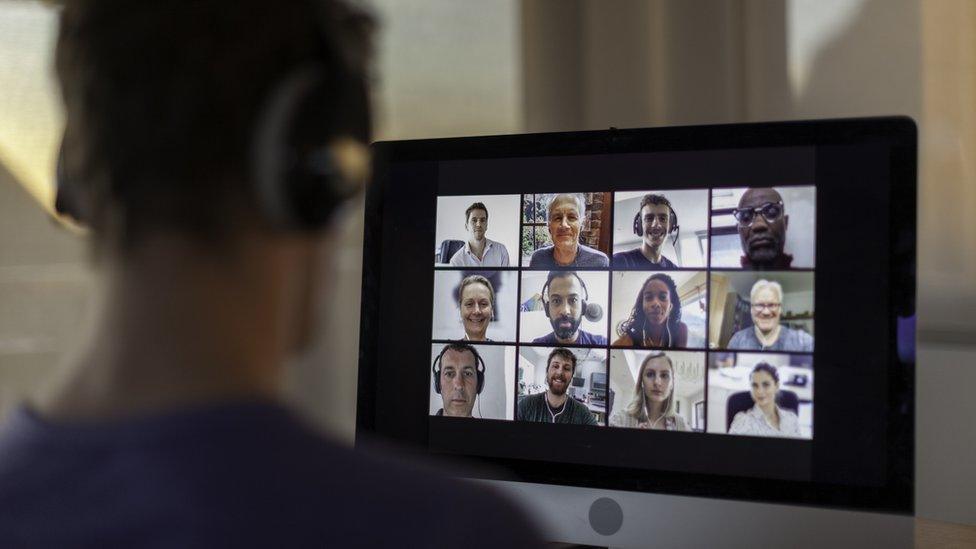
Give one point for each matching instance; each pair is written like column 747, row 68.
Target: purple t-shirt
column 229, row 476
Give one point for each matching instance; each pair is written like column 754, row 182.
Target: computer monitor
column 740, row 299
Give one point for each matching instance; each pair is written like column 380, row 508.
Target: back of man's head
column 164, row 102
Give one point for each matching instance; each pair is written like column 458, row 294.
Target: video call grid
column 705, row 351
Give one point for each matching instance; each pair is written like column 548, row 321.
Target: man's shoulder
column 531, row 400
column 591, row 339
column 742, row 337
column 460, row 256
column 548, row 338
column 542, row 258
column 589, row 257
column 529, row 403
column 305, row 487
column 628, row 256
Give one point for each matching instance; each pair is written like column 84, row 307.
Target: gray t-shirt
column 788, row 340
column 585, row 257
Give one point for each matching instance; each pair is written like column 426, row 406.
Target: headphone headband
column 563, row 274
column 673, row 226
column 479, row 365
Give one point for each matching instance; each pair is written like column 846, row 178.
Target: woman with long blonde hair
column 653, row 405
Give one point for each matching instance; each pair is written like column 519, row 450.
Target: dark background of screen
column 861, row 455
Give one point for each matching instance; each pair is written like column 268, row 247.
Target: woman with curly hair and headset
column 652, row 406
column 655, row 320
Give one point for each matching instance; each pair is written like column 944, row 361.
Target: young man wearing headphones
column 459, row 377
column 208, row 146
column 654, row 222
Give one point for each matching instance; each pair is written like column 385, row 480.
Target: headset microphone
column 593, row 312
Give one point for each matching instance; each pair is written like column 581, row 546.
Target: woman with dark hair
column 655, row 320
column 765, row 418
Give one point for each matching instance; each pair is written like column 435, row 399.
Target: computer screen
column 684, row 310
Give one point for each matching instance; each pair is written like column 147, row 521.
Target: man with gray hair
column 565, row 215
column 766, row 333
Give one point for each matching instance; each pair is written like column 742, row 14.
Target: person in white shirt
column 765, row 418
column 479, row 250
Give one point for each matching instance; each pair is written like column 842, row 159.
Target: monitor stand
column 634, row 519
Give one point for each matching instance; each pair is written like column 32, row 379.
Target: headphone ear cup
column 638, row 229
column 298, row 183
column 481, row 375
column 437, row 373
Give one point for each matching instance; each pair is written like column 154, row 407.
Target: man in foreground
column 554, row 405
column 209, row 145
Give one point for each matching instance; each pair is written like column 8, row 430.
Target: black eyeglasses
column 771, row 211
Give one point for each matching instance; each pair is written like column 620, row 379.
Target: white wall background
column 691, row 207
column 503, row 220
column 447, row 318
column 535, row 323
column 497, row 399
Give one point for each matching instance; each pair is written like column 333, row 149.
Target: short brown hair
column 564, row 353
column 162, row 99
column 473, row 207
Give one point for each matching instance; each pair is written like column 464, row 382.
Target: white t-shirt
column 495, row 256
column 753, row 422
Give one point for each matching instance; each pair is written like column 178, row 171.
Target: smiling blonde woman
column 476, row 306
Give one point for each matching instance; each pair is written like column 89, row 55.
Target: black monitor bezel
column 898, row 133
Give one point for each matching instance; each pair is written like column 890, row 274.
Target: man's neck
column 652, row 254
column 478, row 247
column 174, row 330
column 564, row 257
column 555, row 401
column 567, row 341
column 767, row 339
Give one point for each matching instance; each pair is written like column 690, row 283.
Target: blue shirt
column 635, row 259
column 788, row 340
column 242, row 475
column 584, row 338
column 585, row 257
